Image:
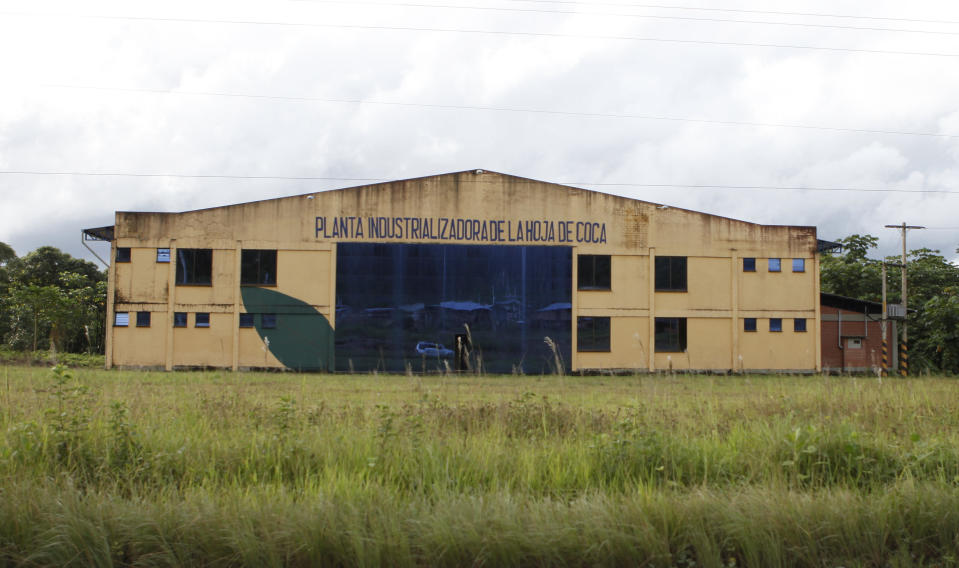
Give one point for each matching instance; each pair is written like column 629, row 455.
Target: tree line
column 51, row 300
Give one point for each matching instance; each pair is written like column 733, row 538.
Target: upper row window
column 123, row 254
column 593, row 272
column 671, row 273
column 258, row 267
column 194, row 266
column 775, row 265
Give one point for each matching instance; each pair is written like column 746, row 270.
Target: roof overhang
column 98, row 234
column 826, row 246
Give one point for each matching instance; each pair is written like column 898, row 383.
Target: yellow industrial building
column 468, row 270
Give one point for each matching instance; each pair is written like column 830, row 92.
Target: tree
column 6, row 253
column 51, row 299
column 851, row 273
column 44, row 266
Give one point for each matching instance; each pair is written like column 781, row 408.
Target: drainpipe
column 842, row 350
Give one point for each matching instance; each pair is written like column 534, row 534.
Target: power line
column 493, row 32
column 741, row 11
column 505, row 109
column 625, row 15
column 571, row 183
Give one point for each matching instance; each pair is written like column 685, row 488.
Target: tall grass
column 260, row 469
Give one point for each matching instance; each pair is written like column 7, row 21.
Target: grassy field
column 216, row 468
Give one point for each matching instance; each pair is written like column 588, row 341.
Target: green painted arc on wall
column 302, row 339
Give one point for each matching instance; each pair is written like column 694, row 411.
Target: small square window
column 163, row 255
column 775, row 324
column 749, row 265
column 179, row 319
column 268, row 321
column 799, row 324
column 123, row 254
column 775, row 265
column 202, row 319
column 246, row 320
column 749, row 324
column 121, row 319
column 799, row 265
column 143, row 319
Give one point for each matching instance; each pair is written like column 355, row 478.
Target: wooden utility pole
column 904, row 350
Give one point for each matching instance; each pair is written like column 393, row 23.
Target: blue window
column 179, row 319
column 143, row 319
column 202, row 319
column 246, row 320
column 799, row 324
column 749, row 265
column 123, row 254
column 775, row 265
column 749, row 324
column 799, row 265
column 163, row 255
column 775, row 324
column 393, row 297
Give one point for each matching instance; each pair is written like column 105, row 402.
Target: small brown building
column 852, row 335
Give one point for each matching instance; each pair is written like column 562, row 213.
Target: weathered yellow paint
column 719, row 294
column 306, row 276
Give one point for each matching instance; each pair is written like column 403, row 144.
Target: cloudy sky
column 729, row 107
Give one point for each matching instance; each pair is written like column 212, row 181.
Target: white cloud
column 45, row 128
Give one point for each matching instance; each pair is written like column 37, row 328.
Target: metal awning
column 98, row 234
column 826, row 246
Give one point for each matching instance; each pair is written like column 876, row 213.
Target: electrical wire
column 738, row 11
column 496, row 33
column 625, row 15
column 570, row 183
column 505, row 109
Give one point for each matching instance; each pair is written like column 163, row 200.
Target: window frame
column 182, row 269
column 254, row 257
column 592, row 345
column 778, row 325
column 682, row 336
column 667, row 265
column 202, row 320
column 779, row 265
column 750, row 329
column 268, row 321
column 597, row 280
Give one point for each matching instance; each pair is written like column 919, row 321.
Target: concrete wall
column 475, row 208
